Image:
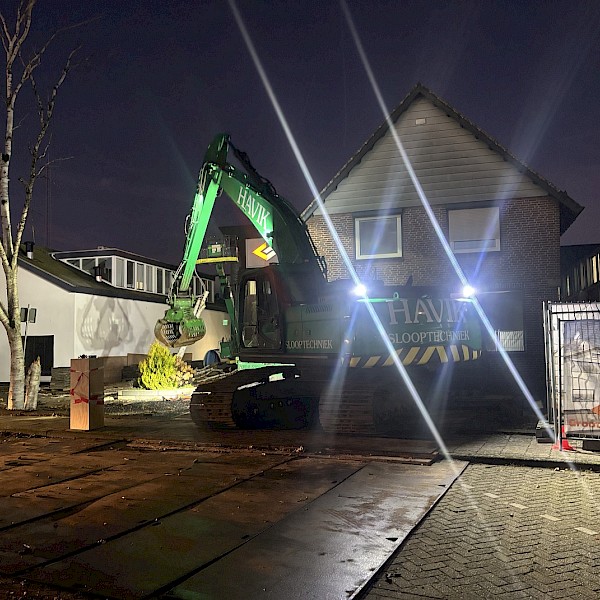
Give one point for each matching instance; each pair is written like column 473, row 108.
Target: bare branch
column 34, row 62
column 4, row 259
column 4, row 316
column 45, row 114
column 38, row 98
column 5, row 32
column 20, row 123
column 54, row 161
column 16, row 41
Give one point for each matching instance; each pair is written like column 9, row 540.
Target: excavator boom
column 274, row 218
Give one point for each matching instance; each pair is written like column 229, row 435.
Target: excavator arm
column 276, row 221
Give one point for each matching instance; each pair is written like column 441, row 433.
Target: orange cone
column 564, row 442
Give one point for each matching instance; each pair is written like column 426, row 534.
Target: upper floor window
column 378, row 237
column 159, row 281
column 139, row 276
column 474, row 229
column 150, row 270
column 88, row 264
column 119, row 272
column 130, row 274
column 133, row 275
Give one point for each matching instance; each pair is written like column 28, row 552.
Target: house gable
column 454, row 161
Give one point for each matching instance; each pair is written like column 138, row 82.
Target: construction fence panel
column 572, row 338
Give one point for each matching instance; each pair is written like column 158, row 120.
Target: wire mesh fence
column 572, row 338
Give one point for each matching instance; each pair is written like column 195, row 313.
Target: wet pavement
column 502, row 531
column 151, row 506
column 116, row 520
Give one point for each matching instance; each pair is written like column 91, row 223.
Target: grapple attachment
column 180, row 326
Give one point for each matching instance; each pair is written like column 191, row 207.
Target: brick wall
column 529, row 260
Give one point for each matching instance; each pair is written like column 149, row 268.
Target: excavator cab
column 260, row 320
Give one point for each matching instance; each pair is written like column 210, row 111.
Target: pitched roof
column 569, row 209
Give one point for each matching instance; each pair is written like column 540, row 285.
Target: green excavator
column 308, row 350
column 266, row 210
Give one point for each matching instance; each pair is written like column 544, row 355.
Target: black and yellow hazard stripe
column 418, row 355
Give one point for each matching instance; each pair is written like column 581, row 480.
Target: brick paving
column 506, row 532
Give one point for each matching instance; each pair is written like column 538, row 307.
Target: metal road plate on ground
column 332, row 547
column 156, row 556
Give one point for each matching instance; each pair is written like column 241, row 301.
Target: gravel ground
column 53, row 403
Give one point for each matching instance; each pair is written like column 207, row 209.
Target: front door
column 42, row 346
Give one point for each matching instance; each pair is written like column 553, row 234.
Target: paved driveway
column 504, row 532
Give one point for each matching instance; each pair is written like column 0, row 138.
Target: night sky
column 158, row 79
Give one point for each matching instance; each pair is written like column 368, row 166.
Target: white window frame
column 359, row 220
column 74, row 262
column 130, row 275
column 478, row 225
column 140, row 276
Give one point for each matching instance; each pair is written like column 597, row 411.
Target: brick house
column 502, row 221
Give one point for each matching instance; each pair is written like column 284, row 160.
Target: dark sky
column 160, row 78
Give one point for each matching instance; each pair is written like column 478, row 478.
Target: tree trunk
column 16, row 391
column 18, row 71
column 33, row 384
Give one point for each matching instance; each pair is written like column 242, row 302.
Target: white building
column 102, row 302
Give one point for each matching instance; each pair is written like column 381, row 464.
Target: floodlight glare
column 468, row 291
column 360, row 290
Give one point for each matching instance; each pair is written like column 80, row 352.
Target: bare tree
column 20, row 72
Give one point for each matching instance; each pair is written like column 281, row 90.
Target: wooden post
column 87, row 394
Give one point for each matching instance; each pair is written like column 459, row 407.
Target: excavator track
column 289, row 398
column 211, row 402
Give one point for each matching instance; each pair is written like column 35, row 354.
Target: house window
column 474, row 229
column 130, row 274
column 159, row 281
column 378, row 237
column 119, row 272
column 106, row 265
column 149, row 278
column 139, row 276
column 88, row 264
column 504, row 310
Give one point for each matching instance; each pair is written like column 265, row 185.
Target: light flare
column 351, row 270
column 339, row 375
column 436, row 226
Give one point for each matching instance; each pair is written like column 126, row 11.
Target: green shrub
column 158, row 371
column 162, row 370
